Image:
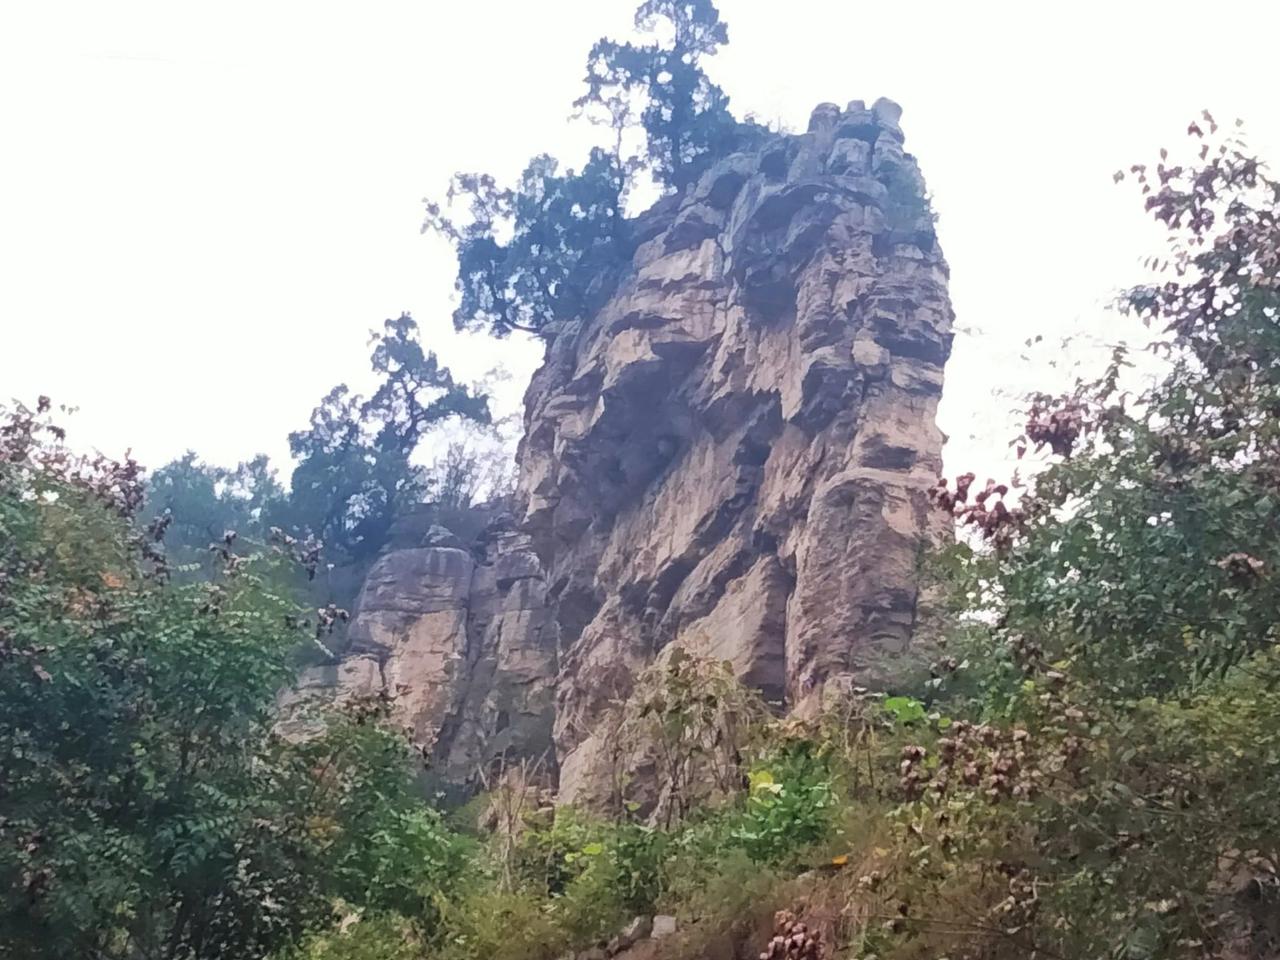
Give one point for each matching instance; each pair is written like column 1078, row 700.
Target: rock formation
column 462, row 641
column 731, row 454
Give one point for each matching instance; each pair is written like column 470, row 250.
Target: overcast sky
column 204, row 208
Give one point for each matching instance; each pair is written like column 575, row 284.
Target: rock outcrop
column 462, row 642
column 733, row 453
column 730, row 455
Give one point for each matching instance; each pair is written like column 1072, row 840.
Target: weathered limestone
column 505, row 702
column 732, row 454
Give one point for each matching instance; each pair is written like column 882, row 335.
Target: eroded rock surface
column 461, row 640
column 733, row 453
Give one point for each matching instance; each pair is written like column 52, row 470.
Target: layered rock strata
column 460, row 638
column 732, row 454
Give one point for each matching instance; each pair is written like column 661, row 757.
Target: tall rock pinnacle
column 731, row 455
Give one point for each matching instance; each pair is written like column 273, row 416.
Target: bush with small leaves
column 148, row 809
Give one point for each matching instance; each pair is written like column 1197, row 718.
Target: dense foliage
column 1146, row 550
column 1124, row 768
column 357, row 464
column 147, row 808
column 530, row 254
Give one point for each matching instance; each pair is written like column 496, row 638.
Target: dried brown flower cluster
column 792, row 940
column 988, row 513
column 1056, row 423
column 1241, row 567
column 305, row 551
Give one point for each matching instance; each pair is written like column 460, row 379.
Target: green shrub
column 789, row 807
column 487, row 924
column 375, row 938
column 148, row 807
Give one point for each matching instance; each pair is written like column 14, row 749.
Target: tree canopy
column 355, row 471
column 150, row 811
column 553, row 222
column 684, row 116
column 528, row 254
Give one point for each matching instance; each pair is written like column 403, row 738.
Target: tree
column 355, row 472
column 356, row 469
column 531, row 254
column 206, row 501
column 555, row 223
column 148, row 811
column 476, row 468
column 1147, row 550
column 685, row 117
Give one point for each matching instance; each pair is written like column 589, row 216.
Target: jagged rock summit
column 730, row 455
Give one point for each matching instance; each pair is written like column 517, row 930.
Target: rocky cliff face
column 460, row 637
column 730, row 455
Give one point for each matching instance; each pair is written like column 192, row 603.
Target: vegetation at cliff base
column 1088, row 768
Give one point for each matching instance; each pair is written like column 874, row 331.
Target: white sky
column 205, row 207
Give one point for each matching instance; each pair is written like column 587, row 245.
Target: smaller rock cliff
column 461, row 638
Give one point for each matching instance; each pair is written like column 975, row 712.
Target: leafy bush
column 385, row 937
column 788, row 808
column 148, row 809
column 382, row 847
column 1144, row 552
column 490, row 924
column 694, row 722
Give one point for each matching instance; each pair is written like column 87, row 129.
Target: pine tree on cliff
column 355, row 473
column 684, row 116
column 560, row 229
